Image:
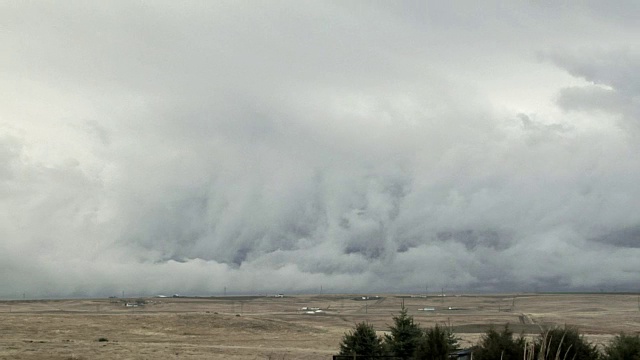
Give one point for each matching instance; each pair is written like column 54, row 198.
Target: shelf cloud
column 163, row 147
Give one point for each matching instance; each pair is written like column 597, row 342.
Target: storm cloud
column 162, row 147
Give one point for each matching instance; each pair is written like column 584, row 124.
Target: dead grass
column 276, row 328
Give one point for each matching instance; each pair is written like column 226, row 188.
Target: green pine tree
column 362, row 341
column 623, row 347
column 437, row 343
column 405, row 336
column 496, row 345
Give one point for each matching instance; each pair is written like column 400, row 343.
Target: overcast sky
column 181, row 147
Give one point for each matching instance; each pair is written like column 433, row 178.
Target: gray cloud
column 615, row 87
column 184, row 148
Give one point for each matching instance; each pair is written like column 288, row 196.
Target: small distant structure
column 466, row 354
column 279, row 296
column 135, row 303
column 176, row 295
column 427, row 309
column 314, row 312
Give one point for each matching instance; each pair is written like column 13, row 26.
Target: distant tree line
column 406, row 340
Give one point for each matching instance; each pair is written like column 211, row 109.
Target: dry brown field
column 276, row 328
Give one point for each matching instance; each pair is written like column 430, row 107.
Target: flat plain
column 291, row 327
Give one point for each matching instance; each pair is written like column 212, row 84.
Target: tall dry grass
column 544, row 349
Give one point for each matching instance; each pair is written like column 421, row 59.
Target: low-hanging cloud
column 187, row 148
